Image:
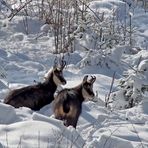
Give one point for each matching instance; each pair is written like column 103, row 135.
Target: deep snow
column 24, row 59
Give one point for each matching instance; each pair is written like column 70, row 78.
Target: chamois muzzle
column 63, row 81
column 58, row 77
column 87, row 90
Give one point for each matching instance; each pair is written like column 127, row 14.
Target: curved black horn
column 55, row 62
column 63, row 64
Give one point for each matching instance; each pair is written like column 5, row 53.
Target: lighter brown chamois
column 68, row 102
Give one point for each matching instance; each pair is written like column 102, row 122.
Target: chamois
column 38, row 95
column 67, row 104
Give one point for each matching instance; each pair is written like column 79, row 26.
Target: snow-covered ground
column 24, row 59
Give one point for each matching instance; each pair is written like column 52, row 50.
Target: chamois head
column 58, row 77
column 87, row 88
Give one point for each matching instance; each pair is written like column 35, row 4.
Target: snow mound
column 38, row 133
column 107, row 6
column 17, row 37
column 8, row 114
column 108, row 142
column 143, row 67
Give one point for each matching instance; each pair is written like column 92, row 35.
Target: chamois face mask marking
column 87, row 92
column 58, row 77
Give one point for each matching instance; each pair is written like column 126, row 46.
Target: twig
column 137, row 133
column 39, row 139
column 20, row 142
column 73, row 141
column 40, row 35
column 68, row 43
column 129, row 65
column 2, row 73
column 135, row 70
column 87, row 49
column 91, row 10
column 18, row 10
column 5, row 4
column 112, row 132
column 7, row 139
column 108, row 96
column 140, row 59
column 58, row 136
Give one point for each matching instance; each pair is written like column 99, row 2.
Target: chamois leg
column 71, row 121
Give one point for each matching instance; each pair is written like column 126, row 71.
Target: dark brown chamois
column 38, row 95
column 68, row 102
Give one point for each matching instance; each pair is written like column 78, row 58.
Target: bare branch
column 15, row 12
column 108, row 96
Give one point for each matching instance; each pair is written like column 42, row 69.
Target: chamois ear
column 85, row 78
column 93, row 79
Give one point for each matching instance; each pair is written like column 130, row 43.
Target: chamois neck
column 49, row 81
column 78, row 89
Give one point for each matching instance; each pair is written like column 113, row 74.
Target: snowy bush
column 78, row 24
column 133, row 88
column 104, row 58
column 5, row 8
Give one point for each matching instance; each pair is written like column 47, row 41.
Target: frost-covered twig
column 2, row 73
column 128, row 65
column 3, row 76
column 39, row 139
column 20, row 142
column 91, row 10
column 40, row 35
column 108, row 96
column 5, row 4
column 140, row 59
column 112, row 132
column 73, row 141
column 136, row 133
column 7, row 139
column 14, row 13
column 58, row 136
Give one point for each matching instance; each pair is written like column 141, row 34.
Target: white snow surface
column 24, row 59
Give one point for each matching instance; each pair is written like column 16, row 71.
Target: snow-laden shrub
column 110, row 58
column 90, row 24
column 133, row 88
column 5, row 8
